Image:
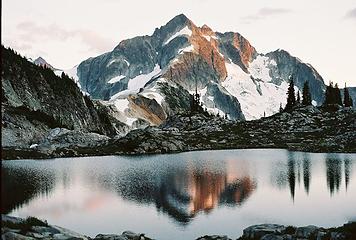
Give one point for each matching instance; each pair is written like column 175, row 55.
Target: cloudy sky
column 65, row 32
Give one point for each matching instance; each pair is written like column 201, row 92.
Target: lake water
column 184, row 195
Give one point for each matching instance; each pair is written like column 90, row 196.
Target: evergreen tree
column 298, row 98
column 337, row 95
column 347, row 98
column 307, row 100
column 290, row 97
column 280, row 108
column 329, row 99
column 332, row 95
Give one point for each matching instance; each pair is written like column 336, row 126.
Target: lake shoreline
column 33, row 228
column 29, row 154
column 306, row 129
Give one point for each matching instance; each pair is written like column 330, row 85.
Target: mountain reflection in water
column 184, row 191
column 181, row 186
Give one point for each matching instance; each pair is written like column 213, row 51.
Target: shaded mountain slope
column 35, row 100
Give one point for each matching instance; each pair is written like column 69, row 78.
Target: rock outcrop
column 33, row 228
column 308, row 129
column 305, row 129
column 280, row 232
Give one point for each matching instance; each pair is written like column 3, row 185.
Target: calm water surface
column 183, row 195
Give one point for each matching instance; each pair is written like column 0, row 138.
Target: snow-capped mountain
column 151, row 77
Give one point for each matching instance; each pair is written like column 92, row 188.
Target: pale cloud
column 30, row 32
column 264, row 13
column 351, row 14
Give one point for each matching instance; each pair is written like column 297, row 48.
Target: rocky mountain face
column 151, row 77
column 35, row 101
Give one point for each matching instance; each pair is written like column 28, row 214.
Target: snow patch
column 116, row 79
column 34, row 146
column 259, row 68
column 139, row 81
column 256, row 97
column 153, row 95
column 121, row 104
column 122, row 94
column 207, row 37
column 183, row 31
column 189, row 48
column 117, row 60
column 136, row 83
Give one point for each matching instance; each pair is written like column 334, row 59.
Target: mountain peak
column 181, row 17
column 206, row 29
column 40, row 61
column 178, row 21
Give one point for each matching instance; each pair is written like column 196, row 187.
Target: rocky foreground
column 307, row 129
column 33, row 228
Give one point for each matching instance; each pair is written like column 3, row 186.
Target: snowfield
column 258, row 97
column 183, row 32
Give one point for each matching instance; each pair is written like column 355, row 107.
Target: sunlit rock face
column 227, row 71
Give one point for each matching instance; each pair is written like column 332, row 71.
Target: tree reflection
column 333, row 173
column 306, row 172
column 348, row 167
column 291, row 174
column 20, row 186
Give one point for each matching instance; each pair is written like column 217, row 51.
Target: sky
column 66, row 32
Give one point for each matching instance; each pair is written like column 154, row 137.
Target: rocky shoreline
column 33, row 228
column 308, row 129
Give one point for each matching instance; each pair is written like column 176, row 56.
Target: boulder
column 306, row 232
column 258, row 231
column 110, row 237
column 15, row 236
column 214, row 237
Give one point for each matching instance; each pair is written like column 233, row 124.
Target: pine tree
column 333, row 95
column 347, row 98
column 298, row 98
column 280, row 108
column 290, row 97
column 337, row 95
column 329, row 99
column 306, row 96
